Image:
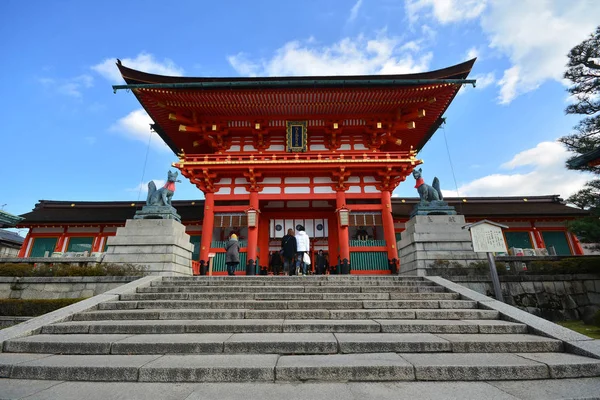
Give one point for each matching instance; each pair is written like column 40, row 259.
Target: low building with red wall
column 537, row 222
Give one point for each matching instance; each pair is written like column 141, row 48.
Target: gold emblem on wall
column 296, row 136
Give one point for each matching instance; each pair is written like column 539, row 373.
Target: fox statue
column 162, row 196
column 427, row 193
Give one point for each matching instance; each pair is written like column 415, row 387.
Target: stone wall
column 59, row 287
column 553, row 297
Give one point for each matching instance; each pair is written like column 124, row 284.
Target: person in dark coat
column 288, row 251
column 232, row 255
column 275, row 263
column 321, row 263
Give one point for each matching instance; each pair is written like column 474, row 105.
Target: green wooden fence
column 368, row 260
column 367, row 243
column 219, row 263
column 220, row 244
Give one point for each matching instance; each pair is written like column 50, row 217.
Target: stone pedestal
column 157, row 212
column 159, row 245
column 436, row 207
column 428, row 238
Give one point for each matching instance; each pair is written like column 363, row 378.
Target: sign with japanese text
column 487, row 239
column 296, row 135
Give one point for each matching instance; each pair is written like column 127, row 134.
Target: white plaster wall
column 297, row 190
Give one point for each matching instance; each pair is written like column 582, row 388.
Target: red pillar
column 340, row 202
column 537, row 235
column 576, row 244
column 97, row 241
column 253, row 231
column 263, row 240
column 23, row 250
column 388, row 224
column 60, row 243
column 333, row 242
column 207, row 226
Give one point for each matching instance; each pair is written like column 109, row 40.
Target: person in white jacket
column 302, row 247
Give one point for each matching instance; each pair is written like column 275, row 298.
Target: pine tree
column 583, row 70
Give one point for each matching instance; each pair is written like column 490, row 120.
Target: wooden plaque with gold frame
column 296, row 136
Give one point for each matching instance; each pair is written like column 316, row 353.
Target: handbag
column 306, row 258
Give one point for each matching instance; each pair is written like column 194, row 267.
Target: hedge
column 574, row 265
column 32, row 308
column 24, row 269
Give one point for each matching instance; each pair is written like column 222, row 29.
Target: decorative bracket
column 389, row 179
column 260, row 137
column 206, row 182
column 340, row 177
column 335, row 140
column 255, row 178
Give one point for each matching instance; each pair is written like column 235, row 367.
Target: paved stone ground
column 583, row 388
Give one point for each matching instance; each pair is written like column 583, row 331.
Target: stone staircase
column 315, row 328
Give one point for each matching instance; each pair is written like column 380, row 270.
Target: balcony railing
column 367, row 243
column 268, row 158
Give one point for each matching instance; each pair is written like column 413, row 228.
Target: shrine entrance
column 325, row 152
column 317, row 224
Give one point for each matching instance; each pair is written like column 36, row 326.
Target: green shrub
column 32, row 308
column 24, row 270
column 501, row 268
column 445, row 264
column 482, row 267
column 571, row 265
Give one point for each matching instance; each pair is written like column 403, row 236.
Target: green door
column 43, row 245
column 558, row 240
column 195, row 240
column 518, row 239
column 80, row 244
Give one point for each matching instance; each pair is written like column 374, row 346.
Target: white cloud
column 354, row 11
column 534, row 35
column 143, row 186
column 143, row 62
column 547, row 175
column 69, row 87
column 446, row 11
column 472, row 53
column 136, row 125
column 349, row 56
column 484, row 80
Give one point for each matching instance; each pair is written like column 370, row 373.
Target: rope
column 145, row 163
column 451, row 165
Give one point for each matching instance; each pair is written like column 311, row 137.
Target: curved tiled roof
column 107, row 212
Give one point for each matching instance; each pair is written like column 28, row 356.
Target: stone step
column 284, row 326
column 287, row 304
column 363, row 278
column 299, row 368
column 289, row 296
column 280, row 343
column 292, row 289
column 161, row 314
column 303, row 281
column 457, row 343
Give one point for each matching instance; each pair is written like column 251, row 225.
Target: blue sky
column 66, row 136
